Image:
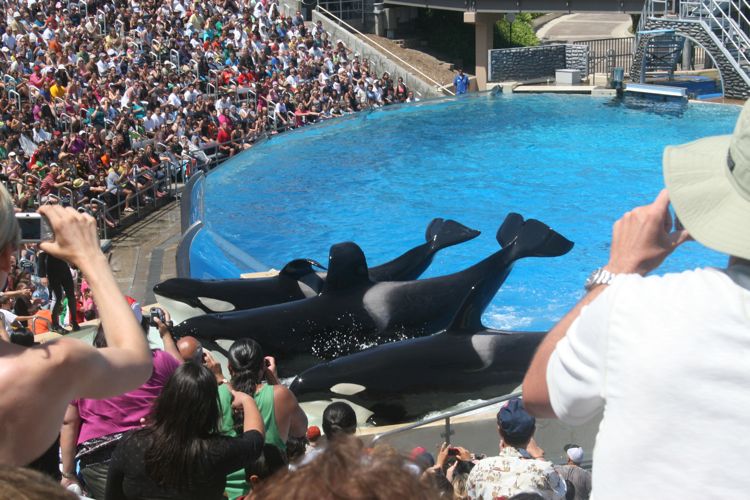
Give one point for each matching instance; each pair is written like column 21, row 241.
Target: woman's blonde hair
column 10, row 234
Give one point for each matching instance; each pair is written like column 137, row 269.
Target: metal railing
column 367, row 41
column 602, row 51
column 446, row 417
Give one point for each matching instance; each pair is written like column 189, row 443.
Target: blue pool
column 574, row 162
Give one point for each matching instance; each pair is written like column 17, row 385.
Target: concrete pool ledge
column 554, row 89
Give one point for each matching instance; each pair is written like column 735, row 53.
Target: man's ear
column 254, row 480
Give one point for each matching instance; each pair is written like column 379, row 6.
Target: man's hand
column 535, row 450
column 76, row 240
column 644, row 237
column 240, row 400
column 270, row 370
column 214, row 366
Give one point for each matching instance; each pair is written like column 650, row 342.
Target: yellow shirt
column 57, row 90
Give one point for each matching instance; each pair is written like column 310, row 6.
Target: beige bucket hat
column 709, row 187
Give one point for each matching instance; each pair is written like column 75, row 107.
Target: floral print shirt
column 509, row 473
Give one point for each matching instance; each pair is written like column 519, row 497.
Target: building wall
column 529, row 63
column 380, row 61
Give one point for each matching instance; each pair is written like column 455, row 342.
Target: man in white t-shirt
column 664, row 357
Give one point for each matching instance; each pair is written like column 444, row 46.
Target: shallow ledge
column 554, row 89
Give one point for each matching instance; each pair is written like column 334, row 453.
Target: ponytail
column 246, row 360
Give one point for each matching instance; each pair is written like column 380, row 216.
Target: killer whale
column 185, row 297
column 404, row 380
column 353, row 313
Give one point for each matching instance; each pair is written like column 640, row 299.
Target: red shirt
column 223, row 136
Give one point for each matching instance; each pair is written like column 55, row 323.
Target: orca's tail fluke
column 442, row 233
column 531, row 238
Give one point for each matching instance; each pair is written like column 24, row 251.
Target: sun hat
column 709, row 187
column 574, row 452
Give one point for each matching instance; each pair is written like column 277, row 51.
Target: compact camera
column 156, row 312
column 34, row 227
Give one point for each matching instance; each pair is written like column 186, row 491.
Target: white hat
column 575, row 454
column 709, row 187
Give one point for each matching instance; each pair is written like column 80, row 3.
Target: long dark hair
column 184, row 418
column 246, row 361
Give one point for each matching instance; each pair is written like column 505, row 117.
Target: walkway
column 144, row 253
column 586, row 26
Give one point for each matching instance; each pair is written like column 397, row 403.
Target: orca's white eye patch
column 347, row 389
column 216, row 305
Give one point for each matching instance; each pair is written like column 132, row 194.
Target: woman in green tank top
column 255, row 373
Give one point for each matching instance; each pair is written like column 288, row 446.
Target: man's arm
column 126, row 363
column 641, row 240
column 166, row 336
column 68, row 438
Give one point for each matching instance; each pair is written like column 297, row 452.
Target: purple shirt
column 100, row 417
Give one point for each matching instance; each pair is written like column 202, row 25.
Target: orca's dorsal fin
column 300, row 267
column 532, row 238
column 468, row 318
column 347, row 267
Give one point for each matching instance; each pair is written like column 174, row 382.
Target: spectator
column 55, row 274
column 514, row 470
column 180, row 454
column 339, row 420
column 253, row 373
column 343, row 471
column 25, row 484
column 645, row 349
column 576, row 478
column 66, row 369
column 191, row 350
column 93, row 427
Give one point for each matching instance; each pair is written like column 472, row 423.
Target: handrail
column 102, row 16
column 372, row 42
column 445, row 416
column 12, row 94
column 174, row 57
column 34, row 319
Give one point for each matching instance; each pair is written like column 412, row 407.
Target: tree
column 519, row 33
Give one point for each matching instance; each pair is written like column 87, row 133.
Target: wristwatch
column 599, row 277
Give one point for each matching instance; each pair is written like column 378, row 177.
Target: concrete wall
column 379, row 61
column 735, row 86
column 529, row 63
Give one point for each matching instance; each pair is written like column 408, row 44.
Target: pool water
column 574, row 162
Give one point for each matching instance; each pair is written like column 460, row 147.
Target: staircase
column 662, row 53
column 720, row 26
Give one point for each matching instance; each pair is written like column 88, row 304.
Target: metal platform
column 660, row 90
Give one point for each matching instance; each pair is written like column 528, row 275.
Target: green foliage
column 518, row 34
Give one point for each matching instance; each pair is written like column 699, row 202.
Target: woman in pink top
column 93, row 427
